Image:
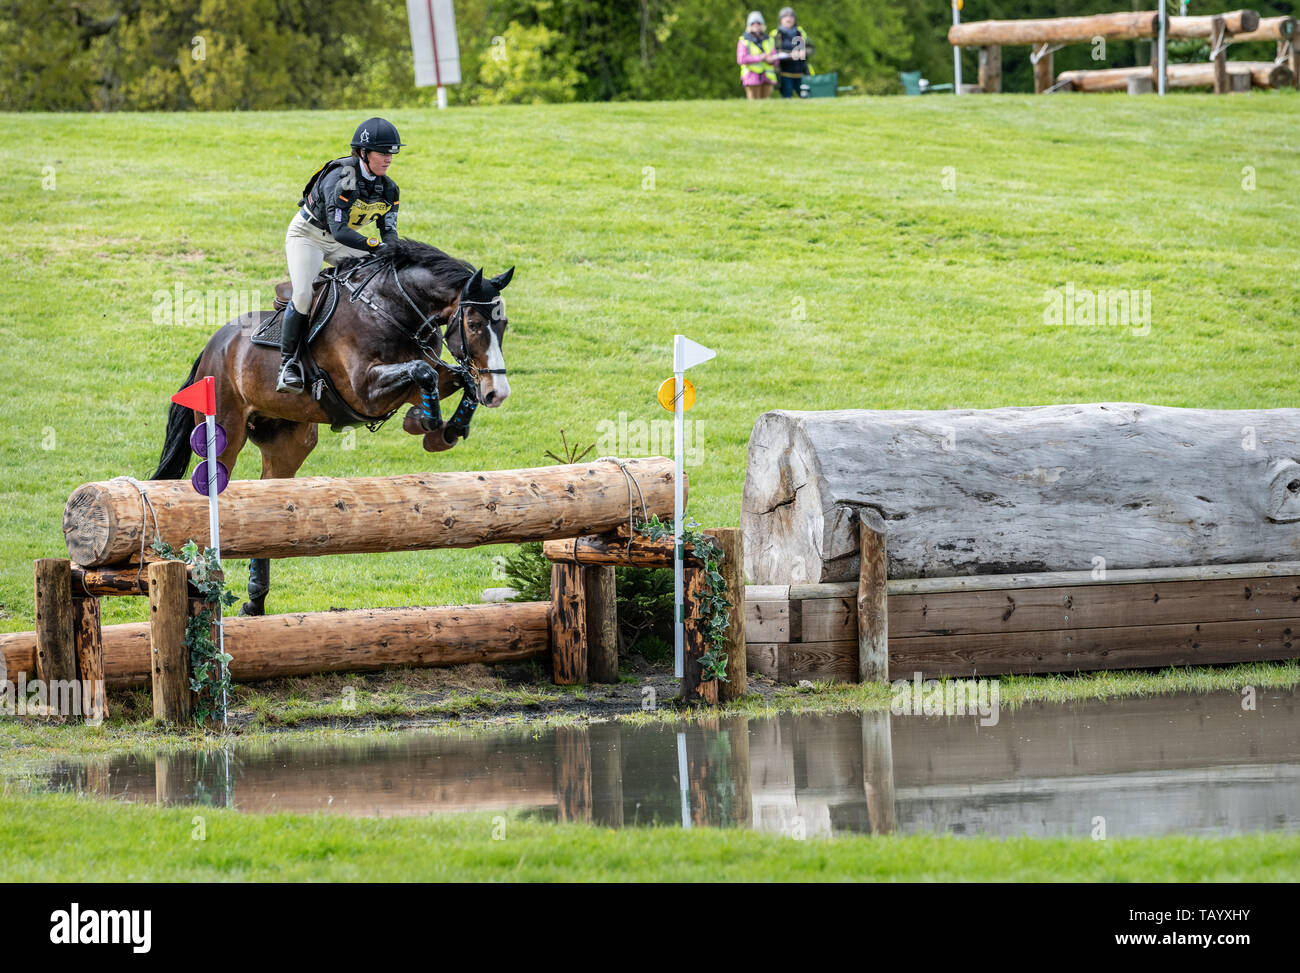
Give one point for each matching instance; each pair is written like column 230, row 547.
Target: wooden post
column 602, row 623
column 1043, row 74
column 568, row 625
column 873, row 606
column 731, row 541
column 170, row 659
column 1219, row 55
column 695, row 689
column 88, row 636
column 56, row 655
column 990, row 76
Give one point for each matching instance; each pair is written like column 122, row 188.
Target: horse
column 381, row 349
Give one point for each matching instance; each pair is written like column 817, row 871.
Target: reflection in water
column 1171, row 764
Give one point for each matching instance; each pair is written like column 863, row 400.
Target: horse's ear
column 500, row 280
column 474, row 283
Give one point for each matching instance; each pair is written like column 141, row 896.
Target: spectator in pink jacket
column 756, row 54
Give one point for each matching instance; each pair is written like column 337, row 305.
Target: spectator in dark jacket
column 794, row 50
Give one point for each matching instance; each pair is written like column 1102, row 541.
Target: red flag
column 201, row 396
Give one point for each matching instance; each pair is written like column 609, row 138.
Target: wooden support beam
column 1269, row 29
column 56, row 654
column 1219, row 55
column 731, row 542
column 990, row 69
column 602, row 623
column 568, row 625
column 695, row 688
column 168, row 615
column 88, row 637
column 1234, row 22
column 1042, row 69
column 1263, row 74
column 1054, row 30
column 873, row 606
column 611, row 549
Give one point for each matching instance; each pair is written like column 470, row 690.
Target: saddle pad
column 268, row 332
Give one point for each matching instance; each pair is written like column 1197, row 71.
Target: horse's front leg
column 384, row 382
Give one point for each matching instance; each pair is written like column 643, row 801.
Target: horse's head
column 477, row 331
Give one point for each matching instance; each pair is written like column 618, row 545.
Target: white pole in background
column 679, row 599
column 1160, row 54
column 956, row 51
column 214, row 540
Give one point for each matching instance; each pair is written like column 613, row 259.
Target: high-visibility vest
column 803, row 37
column 764, row 70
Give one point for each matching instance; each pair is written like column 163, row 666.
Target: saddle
column 324, row 302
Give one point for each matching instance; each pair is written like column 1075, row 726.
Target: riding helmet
column 377, row 135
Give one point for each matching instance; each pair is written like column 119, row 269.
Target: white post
column 442, row 97
column 956, row 51
column 214, row 539
column 679, row 612
column 1160, row 54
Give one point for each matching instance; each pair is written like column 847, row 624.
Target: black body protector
column 342, row 199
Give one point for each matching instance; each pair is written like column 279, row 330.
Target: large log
column 104, row 523
column 1234, row 22
column 1263, row 74
column 1049, row 488
column 1054, row 30
column 275, row 646
column 56, row 654
column 169, row 655
column 1269, row 29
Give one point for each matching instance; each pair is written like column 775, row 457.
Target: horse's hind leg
column 285, row 446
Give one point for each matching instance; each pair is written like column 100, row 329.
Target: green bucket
column 819, row 85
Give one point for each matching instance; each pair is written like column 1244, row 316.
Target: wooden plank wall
column 1064, row 627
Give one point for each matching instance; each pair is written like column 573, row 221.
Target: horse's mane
column 446, row 269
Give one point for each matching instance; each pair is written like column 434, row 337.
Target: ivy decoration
column 715, row 608
column 209, row 666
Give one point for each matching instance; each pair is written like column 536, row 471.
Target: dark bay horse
column 380, row 350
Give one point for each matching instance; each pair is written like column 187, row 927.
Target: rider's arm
column 388, row 222
column 338, row 196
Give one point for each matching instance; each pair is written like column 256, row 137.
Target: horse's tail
column 175, row 459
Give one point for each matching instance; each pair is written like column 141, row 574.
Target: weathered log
column 276, row 646
column 1269, row 29
column 169, row 656
column 568, row 624
column 56, row 654
column 1234, row 22
column 1049, row 488
column 103, row 523
column 611, row 549
column 731, row 542
column 1219, row 54
column 602, row 623
column 98, row 582
column 1054, row 30
column 990, row 69
column 1043, row 72
column 89, row 640
column 872, row 606
column 1263, row 74
column 695, row 687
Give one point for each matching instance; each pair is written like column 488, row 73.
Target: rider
column 348, row 209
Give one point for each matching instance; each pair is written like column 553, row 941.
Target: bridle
column 429, row 336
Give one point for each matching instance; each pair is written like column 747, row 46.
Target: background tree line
column 178, row 55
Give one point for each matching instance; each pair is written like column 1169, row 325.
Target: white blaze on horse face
column 498, row 384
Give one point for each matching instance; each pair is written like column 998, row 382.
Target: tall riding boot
column 291, row 377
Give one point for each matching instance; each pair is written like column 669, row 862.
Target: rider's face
column 378, row 162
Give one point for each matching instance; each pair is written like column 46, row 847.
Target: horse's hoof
column 248, row 608
column 436, row 442
column 411, row 422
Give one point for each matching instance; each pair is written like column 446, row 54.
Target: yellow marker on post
column 666, row 392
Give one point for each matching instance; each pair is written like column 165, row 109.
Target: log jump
column 109, row 525
column 1047, row 35
column 1044, row 539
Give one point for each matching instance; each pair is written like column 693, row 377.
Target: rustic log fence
column 1046, row 36
column 107, row 526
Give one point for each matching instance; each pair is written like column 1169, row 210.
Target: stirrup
column 291, row 377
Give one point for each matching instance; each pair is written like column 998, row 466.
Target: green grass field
column 849, row 253
column 135, row 843
column 813, row 244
